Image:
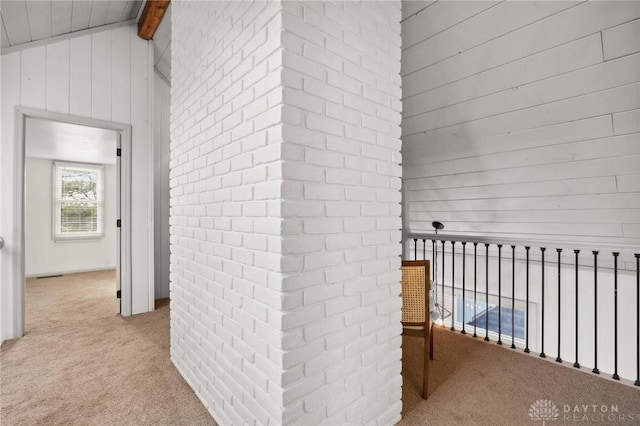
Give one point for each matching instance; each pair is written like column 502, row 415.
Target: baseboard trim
column 75, row 271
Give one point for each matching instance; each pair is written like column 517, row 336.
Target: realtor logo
column 543, row 410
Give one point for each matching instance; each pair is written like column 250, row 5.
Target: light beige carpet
column 81, row 364
column 473, row 382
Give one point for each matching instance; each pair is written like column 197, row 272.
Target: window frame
column 56, row 217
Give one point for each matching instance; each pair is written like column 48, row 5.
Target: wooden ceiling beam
column 151, row 17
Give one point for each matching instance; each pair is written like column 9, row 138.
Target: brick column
column 341, row 207
column 285, row 210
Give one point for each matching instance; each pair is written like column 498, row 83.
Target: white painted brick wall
column 341, row 82
column 285, row 179
column 225, row 221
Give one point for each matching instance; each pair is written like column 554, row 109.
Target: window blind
column 78, row 200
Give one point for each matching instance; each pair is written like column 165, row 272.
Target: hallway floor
column 80, row 363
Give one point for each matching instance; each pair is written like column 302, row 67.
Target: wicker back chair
column 416, row 320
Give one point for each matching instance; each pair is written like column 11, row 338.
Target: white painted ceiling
column 69, row 142
column 26, row 21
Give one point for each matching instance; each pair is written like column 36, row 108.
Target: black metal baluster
column 475, row 289
column 595, row 313
column 576, row 364
column 513, row 295
column 453, row 284
column 499, row 294
column 559, row 359
column 526, row 345
column 424, row 249
column 442, row 306
column 464, row 294
column 637, row 382
column 415, row 249
column 615, row 316
column 486, row 318
column 434, row 268
column 542, row 354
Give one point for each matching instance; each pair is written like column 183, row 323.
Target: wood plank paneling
column 121, row 75
column 532, row 229
column 164, row 64
column 4, row 38
column 631, row 230
column 621, row 40
column 17, row 27
column 595, row 185
column 577, row 130
column 101, row 75
column 610, row 216
column 603, row 76
column 83, row 67
column 617, row 200
column 629, row 183
column 162, row 36
column 626, row 122
column 411, row 7
column 61, row 14
column 161, row 186
column 58, row 76
column 39, row 19
column 99, row 13
column 591, row 79
column 80, row 75
column 131, row 11
column 593, row 149
column 556, row 61
column 11, row 74
column 585, row 19
column 116, row 11
column 141, row 71
column 478, row 29
column 10, row 80
column 81, row 14
column 33, row 78
column 441, row 16
column 614, row 166
column 590, row 105
column 524, row 130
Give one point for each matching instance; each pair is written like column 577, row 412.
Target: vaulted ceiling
column 28, row 21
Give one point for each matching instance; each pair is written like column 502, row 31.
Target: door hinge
column 118, row 294
column 119, row 152
column 118, row 223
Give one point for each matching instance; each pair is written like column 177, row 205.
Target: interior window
column 78, row 201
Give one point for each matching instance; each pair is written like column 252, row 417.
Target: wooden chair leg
column 425, row 373
column 430, row 342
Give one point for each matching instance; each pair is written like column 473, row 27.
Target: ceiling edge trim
column 75, row 34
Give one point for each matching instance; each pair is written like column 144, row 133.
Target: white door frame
column 124, row 131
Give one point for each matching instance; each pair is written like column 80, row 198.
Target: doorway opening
column 74, row 212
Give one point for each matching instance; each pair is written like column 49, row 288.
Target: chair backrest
column 415, row 292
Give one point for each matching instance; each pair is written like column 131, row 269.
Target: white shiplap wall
column 105, row 75
column 520, row 119
column 162, row 99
